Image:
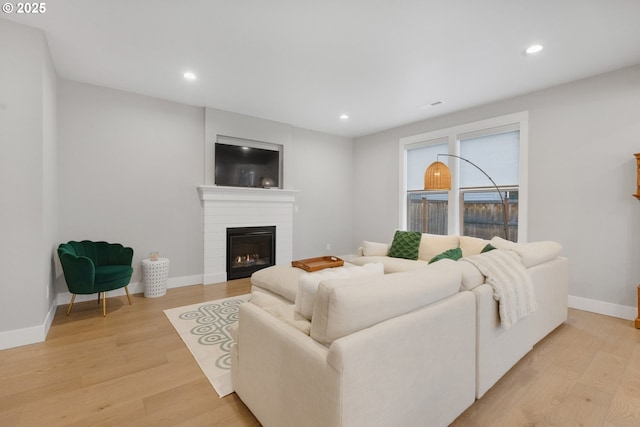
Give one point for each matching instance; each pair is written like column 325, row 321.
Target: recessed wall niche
column 246, row 163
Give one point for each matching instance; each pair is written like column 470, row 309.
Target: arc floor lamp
column 438, row 177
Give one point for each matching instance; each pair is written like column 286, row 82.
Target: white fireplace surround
column 225, row 207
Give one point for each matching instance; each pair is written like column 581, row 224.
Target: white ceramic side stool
column 155, row 274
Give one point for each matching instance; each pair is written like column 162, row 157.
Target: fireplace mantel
column 214, row 192
column 228, row 207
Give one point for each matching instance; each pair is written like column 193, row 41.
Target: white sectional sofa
column 413, row 347
column 381, row 351
column 498, row 348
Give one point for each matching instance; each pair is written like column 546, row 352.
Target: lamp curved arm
column 504, row 208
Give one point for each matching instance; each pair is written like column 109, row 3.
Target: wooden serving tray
column 318, row 263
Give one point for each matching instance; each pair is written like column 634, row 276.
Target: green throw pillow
column 487, row 248
column 454, row 254
column 405, row 244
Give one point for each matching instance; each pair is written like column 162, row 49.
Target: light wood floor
column 132, row 369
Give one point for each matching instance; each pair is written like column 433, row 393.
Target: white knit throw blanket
column 512, row 285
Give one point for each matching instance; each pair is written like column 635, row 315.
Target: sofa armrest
column 79, row 273
column 281, row 374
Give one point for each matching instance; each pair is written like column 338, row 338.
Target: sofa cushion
column 434, row 244
column 405, row 245
column 280, row 279
column 533, row 253
column 501, row 243
column 109, row 273
column 391, row 265
column 349, row 305
column 308, row 283
column 374, row 249
column 280, row 310
column 454, row 254
column 472, row 245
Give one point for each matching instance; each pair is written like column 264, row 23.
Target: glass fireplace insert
column 250, row 249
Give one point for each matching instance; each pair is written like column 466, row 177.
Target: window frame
column 453, row 135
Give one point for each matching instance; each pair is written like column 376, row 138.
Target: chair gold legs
column 101, row 296
column 73, row 298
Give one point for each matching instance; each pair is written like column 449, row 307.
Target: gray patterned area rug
column 204, row 328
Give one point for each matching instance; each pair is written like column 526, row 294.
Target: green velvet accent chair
column 95, row 267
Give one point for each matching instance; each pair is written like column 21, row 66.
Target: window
column 473, row 207
column 426, row 210
column 485, row 211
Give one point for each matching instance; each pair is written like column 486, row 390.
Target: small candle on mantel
column 154, row 256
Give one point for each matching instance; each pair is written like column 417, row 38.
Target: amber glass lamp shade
column 437, row 177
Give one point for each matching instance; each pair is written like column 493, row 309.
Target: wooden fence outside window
column 483, row 219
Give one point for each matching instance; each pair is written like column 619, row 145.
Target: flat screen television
column 246, row 166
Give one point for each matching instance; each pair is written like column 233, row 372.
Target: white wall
column 322, row 171
column 582, row 172
column 129, row 166
column 28, row 175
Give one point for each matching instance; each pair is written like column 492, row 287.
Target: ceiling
column 306, row 62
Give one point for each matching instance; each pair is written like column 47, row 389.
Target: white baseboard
column 30, row 335
column 38, row 333
column 601, row 307
column 209, row 279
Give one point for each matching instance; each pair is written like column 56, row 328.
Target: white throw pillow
column 472, row 245
column 500, row 243
column 374, row 249
column 434, row 244
column 533, row 253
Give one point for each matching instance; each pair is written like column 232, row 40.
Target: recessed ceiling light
column 189, row 75
column 344, row 117
column 534, row 49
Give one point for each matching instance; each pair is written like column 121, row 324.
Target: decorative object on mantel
column 438, row 177
column 319, row 263
column 637, row 195
column 267, row 182
column 154, row 256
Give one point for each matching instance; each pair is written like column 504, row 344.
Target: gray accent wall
column 129, row 167
column 321, row 168
column 582, row 173
column 28, row 217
